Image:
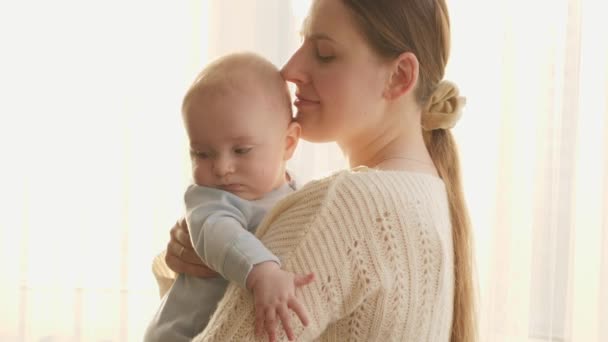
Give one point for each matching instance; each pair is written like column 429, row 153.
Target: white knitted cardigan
column 380, row 245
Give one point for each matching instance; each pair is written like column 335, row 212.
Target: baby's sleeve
column 337, row 250
column 217, row 221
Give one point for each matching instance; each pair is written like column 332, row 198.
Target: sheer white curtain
column 94, row 161
column 534, row 142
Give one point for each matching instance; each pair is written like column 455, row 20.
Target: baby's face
column 237, row 143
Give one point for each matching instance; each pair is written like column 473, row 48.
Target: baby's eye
column 199, row 154
column 242, row 150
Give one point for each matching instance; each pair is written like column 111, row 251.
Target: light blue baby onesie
column 216, row 220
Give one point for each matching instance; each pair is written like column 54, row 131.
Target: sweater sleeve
column 217, row 222
column 164, row 276
column 329, row 246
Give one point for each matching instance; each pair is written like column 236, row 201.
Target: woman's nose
column 293, row 71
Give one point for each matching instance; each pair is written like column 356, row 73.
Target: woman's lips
column 304, row 102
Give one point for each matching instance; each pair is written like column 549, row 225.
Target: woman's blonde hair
column 423, row 28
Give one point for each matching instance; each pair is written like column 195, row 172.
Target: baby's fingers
column 284, row 315
column 259, row 322
column 299, row 309
column 301, row 280
column 271, row 324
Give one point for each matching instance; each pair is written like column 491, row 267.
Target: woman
column 389, row 240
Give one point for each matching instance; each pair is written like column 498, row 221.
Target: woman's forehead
column 327, row 17
column 333, row 21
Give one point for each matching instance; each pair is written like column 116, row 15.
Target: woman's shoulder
column 367, row 182
column 362, row 181
column 303, row 206
column 357, row 192
column 362, row 192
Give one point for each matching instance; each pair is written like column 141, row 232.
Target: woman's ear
column 291, row 139
column 403, row 77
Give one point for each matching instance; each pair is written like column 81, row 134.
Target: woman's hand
column 274, row 295
column 181, row 257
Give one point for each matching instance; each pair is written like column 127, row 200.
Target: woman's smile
column 304, row 102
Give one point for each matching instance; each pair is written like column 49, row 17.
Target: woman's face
column 339, row 80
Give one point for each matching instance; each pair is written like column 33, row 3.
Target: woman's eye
column 325, row 59
column 242, row 150
column 324, row 53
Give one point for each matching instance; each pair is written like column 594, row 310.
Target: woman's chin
column 316, row 137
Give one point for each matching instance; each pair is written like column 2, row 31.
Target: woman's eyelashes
column 324, row 59
column 323, row 53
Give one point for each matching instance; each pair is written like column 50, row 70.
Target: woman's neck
column 397, row 144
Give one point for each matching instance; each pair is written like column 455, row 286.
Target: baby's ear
column 291, row 139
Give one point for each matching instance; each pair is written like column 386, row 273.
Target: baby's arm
column 217, row 222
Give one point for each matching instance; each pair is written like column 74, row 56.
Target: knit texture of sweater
column 380, row 245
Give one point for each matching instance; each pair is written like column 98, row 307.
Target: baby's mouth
column 231, row 187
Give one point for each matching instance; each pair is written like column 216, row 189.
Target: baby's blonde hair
column 242, row 72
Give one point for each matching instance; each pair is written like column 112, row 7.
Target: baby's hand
column 274, row 294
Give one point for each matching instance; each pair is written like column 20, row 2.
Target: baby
column 238, row 118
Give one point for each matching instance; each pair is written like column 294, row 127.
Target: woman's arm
column 163, row 274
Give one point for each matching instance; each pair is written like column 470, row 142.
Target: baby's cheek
column 258, row 173
column 198, row 174
column 267, row 176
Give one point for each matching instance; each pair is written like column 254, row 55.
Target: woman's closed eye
column 324, row 52
column 325, row 59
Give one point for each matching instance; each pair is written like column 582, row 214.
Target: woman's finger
column 180, row 244
column 299, row 309
column 177, row 265
column 284, row 315
column 180, row 233
column 182, row 252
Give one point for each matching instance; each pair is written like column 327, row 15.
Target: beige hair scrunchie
column 444, row 108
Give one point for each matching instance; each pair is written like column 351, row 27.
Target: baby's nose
column 223, row 166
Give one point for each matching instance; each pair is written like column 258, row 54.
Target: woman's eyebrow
column 321, row 36
column 305, row 33
column 315, row 37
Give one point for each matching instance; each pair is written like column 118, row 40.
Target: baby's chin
column 244, row 191
column 246, row 195
column 250, row 195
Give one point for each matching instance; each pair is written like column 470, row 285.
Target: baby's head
column 239, row 122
